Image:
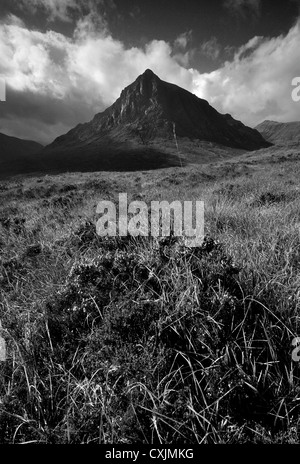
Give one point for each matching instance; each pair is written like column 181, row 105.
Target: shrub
column 160, row 342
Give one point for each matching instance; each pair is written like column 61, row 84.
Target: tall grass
column 141, row 340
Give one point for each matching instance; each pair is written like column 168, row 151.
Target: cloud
column 135, row 13
column 183, row 40
column 65, row 10
column 182, row 51
column 59, row 81
column 256, row 84
column 55, row 9
column 54, row 82
column 211, row 48
column 242, row 8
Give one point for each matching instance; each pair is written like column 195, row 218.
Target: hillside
column 279, row 133
column 15, row 153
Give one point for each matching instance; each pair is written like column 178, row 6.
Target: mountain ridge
column 280, row 133
column 7, row 142
column 16, row 153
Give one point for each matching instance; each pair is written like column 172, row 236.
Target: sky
column 63, row 61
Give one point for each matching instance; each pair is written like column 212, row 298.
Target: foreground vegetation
column 140, row 340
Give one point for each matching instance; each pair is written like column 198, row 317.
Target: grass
column 137, row 340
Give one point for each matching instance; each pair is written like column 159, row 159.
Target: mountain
column 279, row 133
column 152, row 125
column 138, row 131
column 15, row 154
column 150, row 107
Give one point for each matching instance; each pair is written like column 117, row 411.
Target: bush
column 160, row 342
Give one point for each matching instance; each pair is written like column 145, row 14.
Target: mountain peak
column 149, row 73
column 148, row 76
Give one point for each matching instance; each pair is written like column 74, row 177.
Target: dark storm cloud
column 47, row 114
column 64, row 10
column 243, row 8
column 40, row 117
column 211, row 48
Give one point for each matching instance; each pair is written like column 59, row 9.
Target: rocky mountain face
column 151, row 109
column 279, row 133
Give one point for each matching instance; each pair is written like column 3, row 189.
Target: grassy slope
column 130, row 340
column 116, row 154
column 279, row 133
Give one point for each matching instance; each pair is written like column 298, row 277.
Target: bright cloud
column 256, row 85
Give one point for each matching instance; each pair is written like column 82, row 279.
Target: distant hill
column 280, row 133
column 16, row 154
